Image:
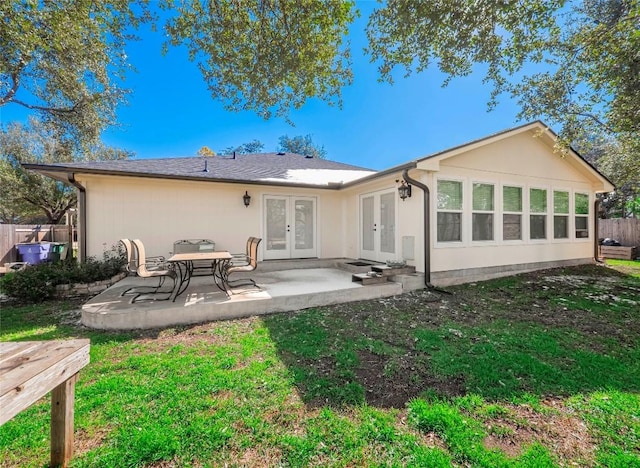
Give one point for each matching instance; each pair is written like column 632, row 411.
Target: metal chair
column 250, row 264
column 151, row 270
column 131, row 267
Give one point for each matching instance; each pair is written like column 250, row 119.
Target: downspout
column 82, row 217
column 427, row 230
column 596, row 232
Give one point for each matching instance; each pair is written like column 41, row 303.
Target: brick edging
column 87, row 289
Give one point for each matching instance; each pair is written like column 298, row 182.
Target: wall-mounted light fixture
column 246, row 198
column 404, row 190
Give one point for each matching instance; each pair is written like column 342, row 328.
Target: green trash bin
column 56, row 250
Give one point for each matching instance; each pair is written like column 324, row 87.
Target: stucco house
column 499, row 205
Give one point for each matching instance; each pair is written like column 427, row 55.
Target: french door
column 289, row 227
column 378, row 226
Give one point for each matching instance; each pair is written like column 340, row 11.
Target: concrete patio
column 284, row 286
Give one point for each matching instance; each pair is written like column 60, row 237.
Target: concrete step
column 366, row 279
column 393, row 271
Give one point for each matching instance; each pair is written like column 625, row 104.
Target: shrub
column 38, row 282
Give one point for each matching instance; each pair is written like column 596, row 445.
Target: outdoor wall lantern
column 404, row 190
column 246, row 198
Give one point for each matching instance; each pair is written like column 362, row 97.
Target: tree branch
column 54, row 110
column 14, row 88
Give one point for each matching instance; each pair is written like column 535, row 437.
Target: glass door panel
column 304, row 228
column 378, row 226
column 388, row 223
column 290, row 227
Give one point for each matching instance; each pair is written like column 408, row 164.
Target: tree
column 205, row 152
column 609, row 156
column 574, row 64
column 64, row 60
column 24, row 192
column 268, row 56
column 253, row 146
column 302, row 145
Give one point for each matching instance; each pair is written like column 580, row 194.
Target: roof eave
column 60, row 173
column 377, row 175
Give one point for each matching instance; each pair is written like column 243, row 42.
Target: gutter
column 427, row 224
column 596, row 224
column 82, row 216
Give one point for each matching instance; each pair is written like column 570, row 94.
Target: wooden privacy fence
column 12, row 234
column 624, row 230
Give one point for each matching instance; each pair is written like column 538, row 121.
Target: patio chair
column 131, row 267
column 246, row 263
column 151, row 270
column 242, row 259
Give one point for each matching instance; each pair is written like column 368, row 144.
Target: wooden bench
column 31, row 369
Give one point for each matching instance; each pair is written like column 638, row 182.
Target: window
column 482, row 217
column 538, row 213
column 582, row 215
column 560, row 215
column 449, row 211
column 511, row 213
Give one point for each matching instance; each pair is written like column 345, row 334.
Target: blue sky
column 170, row 113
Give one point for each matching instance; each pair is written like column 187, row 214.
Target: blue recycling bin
column 34, row 252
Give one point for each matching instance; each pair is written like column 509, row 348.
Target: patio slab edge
column 164, row 314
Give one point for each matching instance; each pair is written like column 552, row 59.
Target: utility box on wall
column 409, row 247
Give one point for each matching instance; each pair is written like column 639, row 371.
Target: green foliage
column 572, row 63
column 24, row 191
column 64, row 60
column 38, row 283
column 633, row 207
column 302, row 145
column 268, row 57
column 253, row 146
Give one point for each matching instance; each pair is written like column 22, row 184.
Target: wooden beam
column 62, row 398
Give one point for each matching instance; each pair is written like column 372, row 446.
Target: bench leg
column 62, row 398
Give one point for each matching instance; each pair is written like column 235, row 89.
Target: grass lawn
column 535, row 370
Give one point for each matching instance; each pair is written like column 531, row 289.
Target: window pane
column 582, row 227
column 449, row 227
column 512, row 198
column 538, row 200
column 582, row 203
column 482, row 227
column 483, row 197
column 511, row 227
column 561, row 202
column 449, row 195
column 538, row 227
column 560, row 227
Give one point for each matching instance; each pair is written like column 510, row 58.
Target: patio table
column 31, row 369
column 183, row 264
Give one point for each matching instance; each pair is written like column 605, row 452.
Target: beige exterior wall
column 161, row 211
column 524, row 161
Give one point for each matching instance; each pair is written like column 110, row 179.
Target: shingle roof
column 258, row 167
